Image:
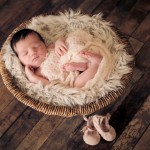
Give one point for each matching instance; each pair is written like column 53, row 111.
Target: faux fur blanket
column 51, row 28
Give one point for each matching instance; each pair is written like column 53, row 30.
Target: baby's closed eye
column 24, row 53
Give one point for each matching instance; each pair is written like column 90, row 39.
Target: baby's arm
column 30, row 73
column 60, row 47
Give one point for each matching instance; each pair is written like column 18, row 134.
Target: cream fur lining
column 51, row 28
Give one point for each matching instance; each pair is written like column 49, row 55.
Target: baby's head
column 29, row 46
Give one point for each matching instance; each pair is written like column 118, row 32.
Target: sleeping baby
column 69, row 60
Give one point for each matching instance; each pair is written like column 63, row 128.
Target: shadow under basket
column 51, row 109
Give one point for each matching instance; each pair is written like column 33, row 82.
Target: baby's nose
column 32, row 51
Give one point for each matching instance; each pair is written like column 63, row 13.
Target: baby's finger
column 27, row 68
column 60, row 52
column 57, row 52
column 85, row 54
column 64, row 49
column 65, row 46
column 30, row 68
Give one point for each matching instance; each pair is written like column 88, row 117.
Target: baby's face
column 31, row 50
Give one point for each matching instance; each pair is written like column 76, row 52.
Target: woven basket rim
column 65, row 111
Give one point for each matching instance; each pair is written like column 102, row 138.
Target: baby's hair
column 22, row 34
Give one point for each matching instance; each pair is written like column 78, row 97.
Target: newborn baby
column 30, row 48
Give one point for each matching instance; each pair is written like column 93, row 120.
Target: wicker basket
column 50, row 109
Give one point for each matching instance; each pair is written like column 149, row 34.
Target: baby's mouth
column 35, row 58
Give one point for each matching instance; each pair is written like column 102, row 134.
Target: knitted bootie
column 101, row 123
column 91, row 136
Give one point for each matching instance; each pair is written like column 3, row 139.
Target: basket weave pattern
column 50, row 109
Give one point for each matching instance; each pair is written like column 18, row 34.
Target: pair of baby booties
column 97, row 127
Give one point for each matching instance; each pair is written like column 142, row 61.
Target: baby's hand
column 60, row 47
column 31, row 74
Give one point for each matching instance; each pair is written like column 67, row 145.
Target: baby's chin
column 37, row 64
